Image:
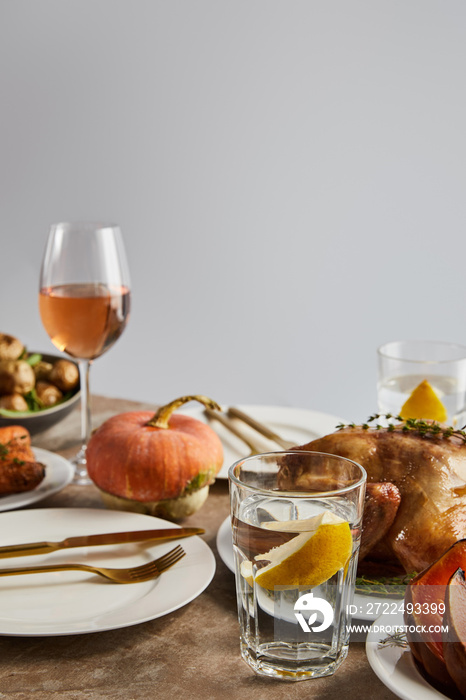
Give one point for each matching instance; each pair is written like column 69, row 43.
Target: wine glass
column 84, row 302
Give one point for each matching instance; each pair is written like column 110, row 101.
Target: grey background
column 289, row 177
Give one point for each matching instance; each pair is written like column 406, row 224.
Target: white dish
column 225, row 544
column 73, row 602
column 298, row 425
column 394, row 665
column 58, row 474
column 365, row 607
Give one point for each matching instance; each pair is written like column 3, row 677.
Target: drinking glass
column 403, row 365
column 295, row 624
column 84, row 302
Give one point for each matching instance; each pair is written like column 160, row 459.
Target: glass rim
column 298, row 494
column 88, row 225
column 384, row 352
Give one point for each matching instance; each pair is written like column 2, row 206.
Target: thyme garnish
column 410, row 425
column 383, row 586
column 397, row 639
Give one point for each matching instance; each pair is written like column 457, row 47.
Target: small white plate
column 225, row 544
column 74, row 602
column 59, row 473
column 364, row 607
column 296, row 424
column 395, row 665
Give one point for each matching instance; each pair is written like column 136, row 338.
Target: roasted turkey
column 416, row 492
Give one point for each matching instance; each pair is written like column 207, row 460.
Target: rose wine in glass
column 84, row 302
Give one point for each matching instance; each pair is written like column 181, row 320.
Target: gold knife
column 23, row 550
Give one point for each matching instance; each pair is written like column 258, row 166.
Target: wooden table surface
column 190, row 653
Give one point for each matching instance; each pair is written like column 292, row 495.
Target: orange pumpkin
column 161, row 464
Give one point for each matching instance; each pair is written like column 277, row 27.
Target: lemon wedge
column 309, row 559
column 246, row 571
column 305, row 525
column 424, row 403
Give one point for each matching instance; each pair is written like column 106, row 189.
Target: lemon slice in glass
column 423, row 403
column 309, row 559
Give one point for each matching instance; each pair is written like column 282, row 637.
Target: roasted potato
column 42, row 370
column 10, row 347
column 32, row 382
column 65, row 375
column 16, row 377
column 48, row 394
column 14, row 402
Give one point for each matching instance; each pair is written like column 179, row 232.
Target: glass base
column 283, row 661
column 79, row 462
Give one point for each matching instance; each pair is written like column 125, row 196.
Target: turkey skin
column 425, row 512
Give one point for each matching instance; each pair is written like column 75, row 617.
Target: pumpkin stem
column 162, row 416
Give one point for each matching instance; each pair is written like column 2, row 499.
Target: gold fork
column 135, row 574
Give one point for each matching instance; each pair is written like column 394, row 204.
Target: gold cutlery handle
column 132, row 574
column 31, row 548
column 44, row 569
column 262, row 429
column 216, row 415
column 16, row 550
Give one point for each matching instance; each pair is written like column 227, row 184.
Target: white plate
column 394, row 665
column 367, row 607
column 298, row 425
column 225, row 544
column 58, row 473
column 73, row 602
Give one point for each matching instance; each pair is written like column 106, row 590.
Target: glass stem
column 84, row 367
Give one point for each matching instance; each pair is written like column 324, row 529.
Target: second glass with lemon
column 424, row 380
column 296, row 523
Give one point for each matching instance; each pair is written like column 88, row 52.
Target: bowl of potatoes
column 37, row 390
